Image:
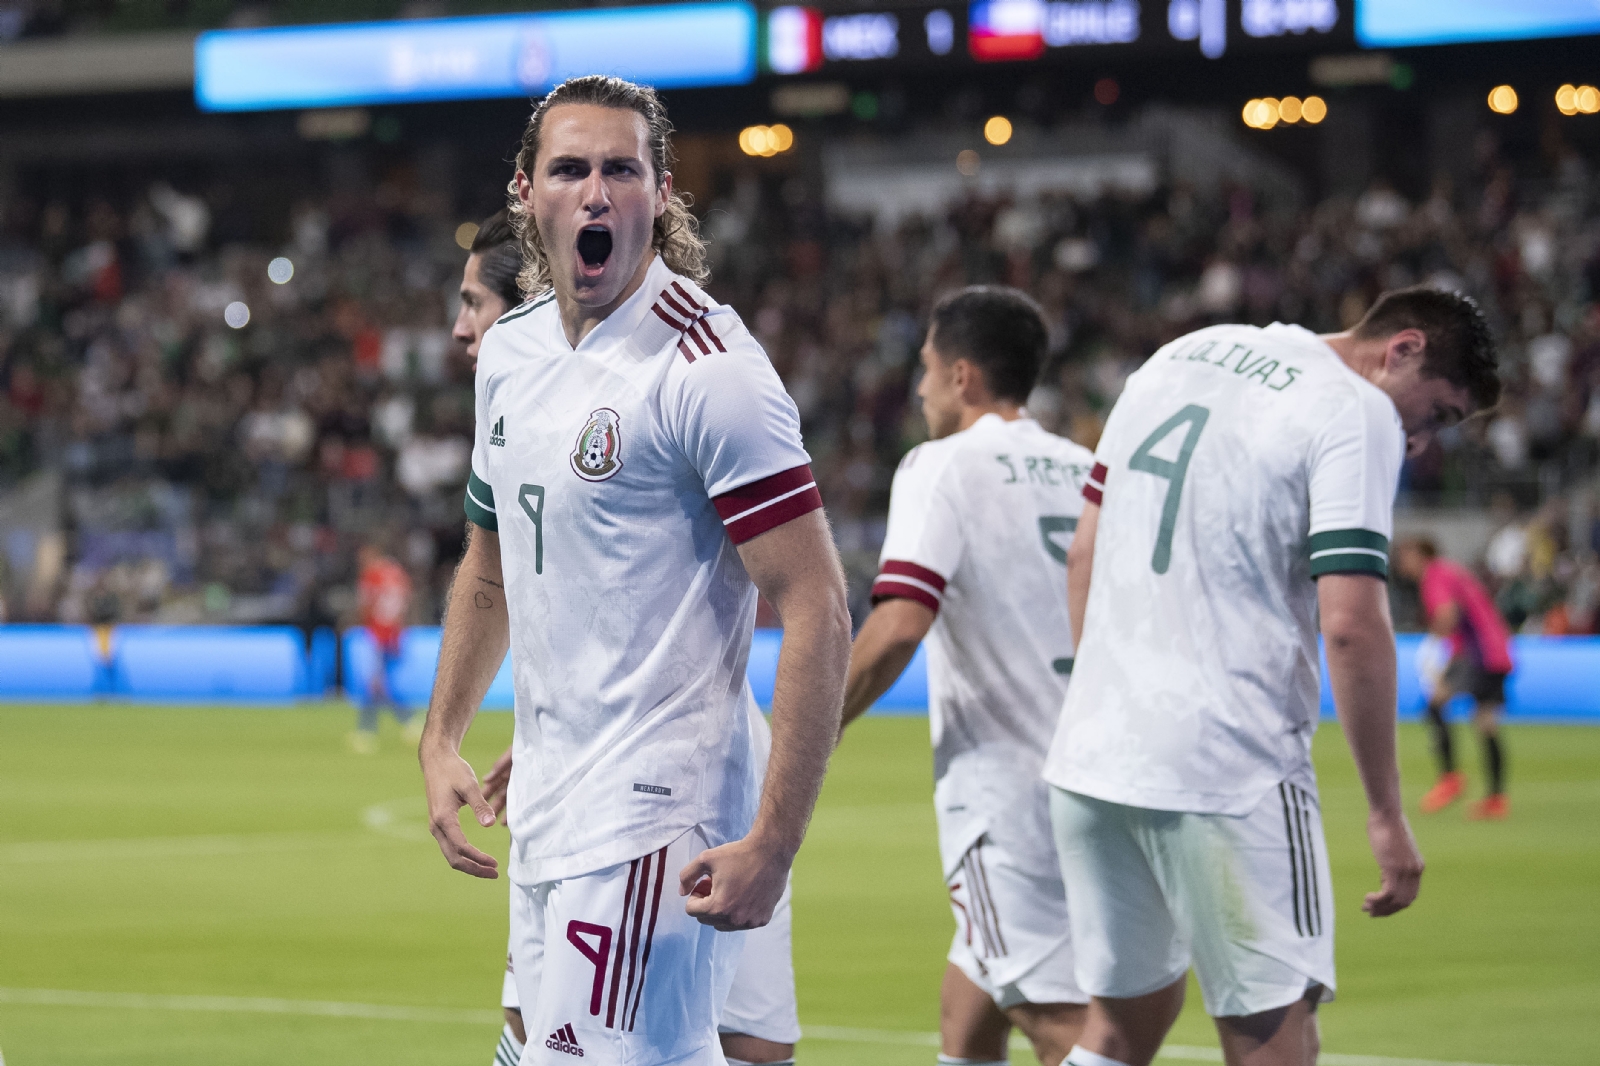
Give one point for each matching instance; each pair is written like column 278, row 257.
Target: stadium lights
column 466, row 233
column 237, row 314
column 766, row 141
column 967, row 162
column 280, row 270
column 1267, row 112
column 1578, row 100
column 1502, row 99
column 997, row 130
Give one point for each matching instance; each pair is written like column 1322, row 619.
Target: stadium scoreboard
column 732, row 42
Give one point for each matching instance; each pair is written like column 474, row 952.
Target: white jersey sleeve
column 732, row 419
column 479, row 503
column 923, row 544
column 1354, row 472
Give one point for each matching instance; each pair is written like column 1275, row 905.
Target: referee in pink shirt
column 1459, row 610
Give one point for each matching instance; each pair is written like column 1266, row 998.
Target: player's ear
column 1407, row 345
column 663, row 193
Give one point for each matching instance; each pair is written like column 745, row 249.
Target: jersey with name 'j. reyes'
column 1238, row 465
column 620, row 477
column 979, row 525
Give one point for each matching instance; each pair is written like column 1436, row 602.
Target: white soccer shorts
column 762, row 1000
column 1246, row 900
column 611, row 968
column 1012, row 937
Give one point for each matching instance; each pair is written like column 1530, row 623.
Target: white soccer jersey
column 979, row 524
column 619, row 476
column 1238, row 465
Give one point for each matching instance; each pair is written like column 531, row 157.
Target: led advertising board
column 669, row 46
column 1397, row 23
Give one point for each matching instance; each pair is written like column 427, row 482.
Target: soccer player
column 488, row 282
column 637, row 476
column 384, row 599
column 1460, row 611
column 979, row 522
column 1244, row 488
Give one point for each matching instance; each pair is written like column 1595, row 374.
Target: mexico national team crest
column 598, row 454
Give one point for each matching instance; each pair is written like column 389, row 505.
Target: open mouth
column 594, row 248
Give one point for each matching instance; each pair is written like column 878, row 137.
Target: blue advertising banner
column 1397, row 23
column 411, row 60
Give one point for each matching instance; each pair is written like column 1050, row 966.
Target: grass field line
column 124, row 849
column 49, row 997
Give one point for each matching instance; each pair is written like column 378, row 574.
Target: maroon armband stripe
column 1094, row 489
column 903, row 580
column 750, row 510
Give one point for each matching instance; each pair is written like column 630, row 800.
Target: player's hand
column 497, row 783
column 451, row 785
column 1399, row 863
column 735, row 886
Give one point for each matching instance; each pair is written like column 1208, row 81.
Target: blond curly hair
column 677, row 233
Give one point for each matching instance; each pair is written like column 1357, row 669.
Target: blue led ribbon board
column 1397, row 23
column 673, row 46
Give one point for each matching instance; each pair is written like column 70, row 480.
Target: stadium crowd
column 221, row 443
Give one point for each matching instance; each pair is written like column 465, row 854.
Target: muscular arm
column 476, row 634
column 1359, row 638
column 886, row 643
column 797, row 569
column 1080, row 563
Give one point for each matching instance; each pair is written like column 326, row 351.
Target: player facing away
column 637, row 477
column 1243, row 489
column 1460, row 611
column 383, row 597
column 979, row 522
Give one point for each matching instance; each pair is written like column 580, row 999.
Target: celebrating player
column 1245, row 482
column 760, row 1021
column 1460, row 611
column 979, row 521
column 637, row 476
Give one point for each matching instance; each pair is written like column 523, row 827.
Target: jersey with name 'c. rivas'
column 620, row 475
column 1238, row 465
column 979, row 525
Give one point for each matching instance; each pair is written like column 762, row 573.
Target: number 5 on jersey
column 1173, row 470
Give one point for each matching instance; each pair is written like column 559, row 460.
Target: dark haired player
column 1461, row 612
column 488, row 282
column 637, row 476
column 979, row 522
column 1244, row 486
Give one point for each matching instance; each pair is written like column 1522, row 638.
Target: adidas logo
column 565, row 1041
column 497, row 435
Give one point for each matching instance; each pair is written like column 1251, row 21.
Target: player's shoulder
column 518, row 332
column 705, row 343
column 925, row 465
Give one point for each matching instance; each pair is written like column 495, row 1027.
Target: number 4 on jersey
column 1174, row 470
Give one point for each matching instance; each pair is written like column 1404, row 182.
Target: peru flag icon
column 1001, row 30
column 794, row 40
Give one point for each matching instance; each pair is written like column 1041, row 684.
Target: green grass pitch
column 246, row 854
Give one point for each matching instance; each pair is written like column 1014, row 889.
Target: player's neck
column 1365, row 359
column 1007, row 410
column 579, row 320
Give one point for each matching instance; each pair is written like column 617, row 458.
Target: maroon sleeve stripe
column 1094, row 490
column 889, row 588
column 682, row 311
column 751, row 510
column 690, row 300
column 668, row 319
column 684, row 348
column 705, row 327
column 699, row 342
column 901, row 568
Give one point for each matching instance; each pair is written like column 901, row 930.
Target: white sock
column 509, row 1052
column 1080, row 1057
column 956, row 1060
